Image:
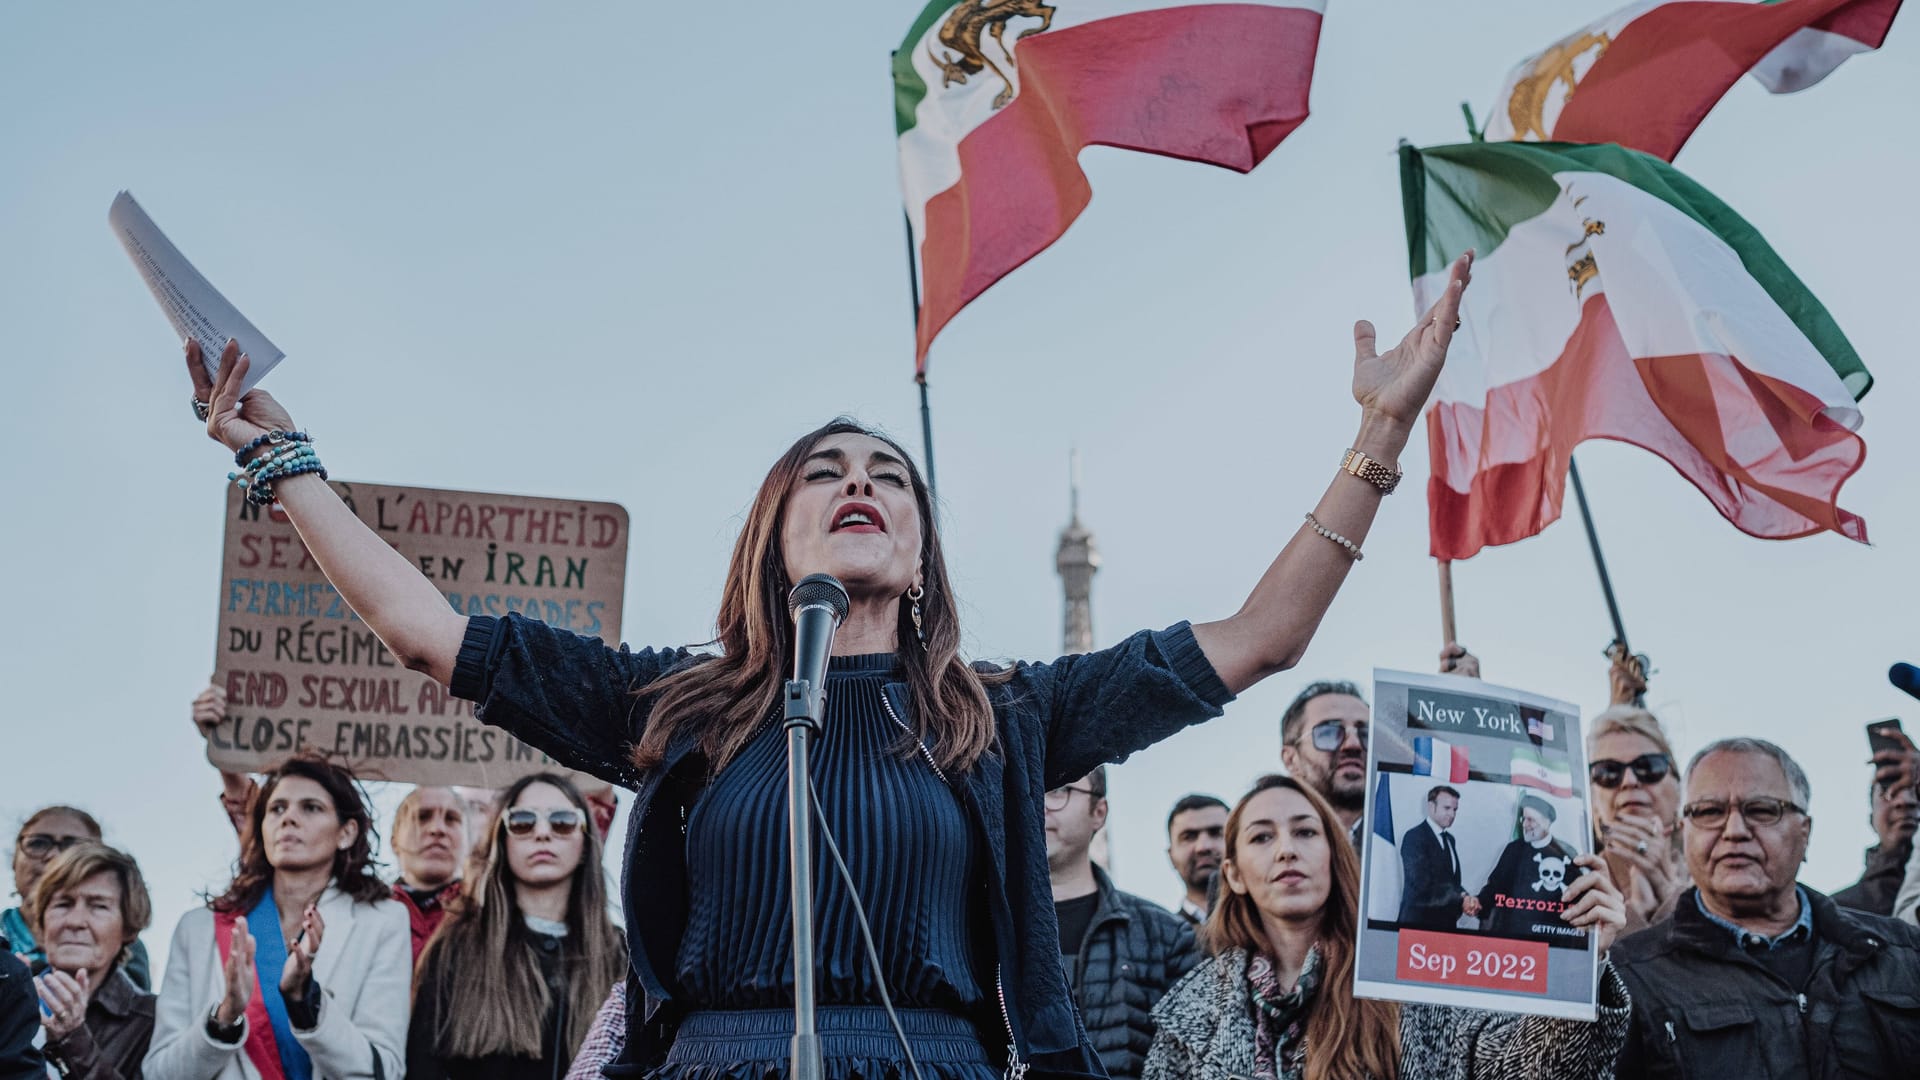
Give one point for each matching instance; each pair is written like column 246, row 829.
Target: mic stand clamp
column 804, row 708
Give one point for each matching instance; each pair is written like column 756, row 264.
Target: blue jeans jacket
column 573, row 698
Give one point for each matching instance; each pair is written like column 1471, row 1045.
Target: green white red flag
column 994, row 100
column 1614, row 298
column 1646, row 75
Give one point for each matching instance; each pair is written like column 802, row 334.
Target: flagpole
column 920, row 374
column 1619, row 646
column 1447, row 634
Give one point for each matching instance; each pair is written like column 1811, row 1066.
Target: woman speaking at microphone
column 930, row 772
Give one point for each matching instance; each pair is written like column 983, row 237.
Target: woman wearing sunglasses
column 1636, row 811
column 510, row 982
column 299, row 970
column 1276, row 1002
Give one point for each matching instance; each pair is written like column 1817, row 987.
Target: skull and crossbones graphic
column 1553, row 874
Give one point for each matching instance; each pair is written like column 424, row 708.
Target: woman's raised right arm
column 388, row 593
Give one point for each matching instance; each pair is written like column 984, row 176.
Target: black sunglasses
column 1647, row 768
column 563, row 822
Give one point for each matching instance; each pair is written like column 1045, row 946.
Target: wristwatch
column 225, row 1033
column 1373, row 472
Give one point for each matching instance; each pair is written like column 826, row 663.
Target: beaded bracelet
column 275, row 436
column 289, row 453
column 1353, row 549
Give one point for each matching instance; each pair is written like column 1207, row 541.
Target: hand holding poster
column 302, row 672
column 1473, row 825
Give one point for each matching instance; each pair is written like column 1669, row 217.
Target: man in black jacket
column 1896, row 811
column 19, row 1019
column 1121, row 952
column 1757, row 976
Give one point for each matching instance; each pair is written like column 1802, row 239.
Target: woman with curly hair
column 300, row 969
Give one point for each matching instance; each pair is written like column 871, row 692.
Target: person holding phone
column 1895, row 809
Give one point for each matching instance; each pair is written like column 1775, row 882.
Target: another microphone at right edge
column 1905, row 677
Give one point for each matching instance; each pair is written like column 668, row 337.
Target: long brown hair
column 481, row 963
column 725, row 698
column 1347, row 1038
column 353, row 869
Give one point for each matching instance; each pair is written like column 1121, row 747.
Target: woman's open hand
column 1394, row 386
column 233, row 421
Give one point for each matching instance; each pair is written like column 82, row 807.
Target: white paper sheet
column 189, row 300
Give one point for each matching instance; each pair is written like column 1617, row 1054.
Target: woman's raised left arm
column 1271, row 630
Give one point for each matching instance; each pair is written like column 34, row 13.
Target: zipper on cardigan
column 902, row 725
column 1801, row 999
column 1016, row 1069
column 1671, row 1037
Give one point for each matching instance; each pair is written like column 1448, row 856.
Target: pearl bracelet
column 1353, row 549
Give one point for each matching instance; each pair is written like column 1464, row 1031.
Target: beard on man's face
column 1200, row 870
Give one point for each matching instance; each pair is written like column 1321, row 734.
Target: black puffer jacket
column 19, row 1019
column 1133, row 952
column 1704, row 1008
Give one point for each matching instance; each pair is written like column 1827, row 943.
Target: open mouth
column 858, row 517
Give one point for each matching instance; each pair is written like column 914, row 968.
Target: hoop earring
column 914, row 596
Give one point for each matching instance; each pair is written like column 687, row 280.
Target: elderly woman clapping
column 87, row 908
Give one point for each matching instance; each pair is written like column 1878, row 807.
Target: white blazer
column 365, row 972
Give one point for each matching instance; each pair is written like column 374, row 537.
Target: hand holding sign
column 1594, row 903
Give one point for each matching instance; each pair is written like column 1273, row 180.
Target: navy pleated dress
column 919, row 869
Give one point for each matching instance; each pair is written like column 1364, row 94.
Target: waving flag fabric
column 1646, row 75
column 1543, row 769
column 994, row 100
column 1614, row 298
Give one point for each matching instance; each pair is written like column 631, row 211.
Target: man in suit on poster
column 1431, row 896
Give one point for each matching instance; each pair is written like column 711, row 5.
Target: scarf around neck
column 1280, row 1017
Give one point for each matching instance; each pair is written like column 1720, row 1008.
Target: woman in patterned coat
column 1275, row 1001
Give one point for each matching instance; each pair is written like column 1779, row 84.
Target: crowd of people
column 969, row 935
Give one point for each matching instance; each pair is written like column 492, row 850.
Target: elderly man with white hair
column 1756, row 975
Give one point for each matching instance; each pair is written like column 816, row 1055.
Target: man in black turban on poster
column 1522, row 897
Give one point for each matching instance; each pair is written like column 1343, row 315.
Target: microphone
column 817, row 605
column 1905, row 677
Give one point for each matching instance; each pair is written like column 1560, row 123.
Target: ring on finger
column 1641, row 847
column 201, row 409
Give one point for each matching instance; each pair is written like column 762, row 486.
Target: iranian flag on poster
column 1646, row 75
column 1547, row 771
column 994, row 100
column 1614, row 298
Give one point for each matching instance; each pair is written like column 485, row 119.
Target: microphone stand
column 804, row 708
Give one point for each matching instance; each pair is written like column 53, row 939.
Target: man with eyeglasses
column 1121, row 952
column 1756, row 975
column 1323, row 738
column 1323, row 744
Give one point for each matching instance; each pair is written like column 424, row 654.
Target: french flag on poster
column 1437, row 757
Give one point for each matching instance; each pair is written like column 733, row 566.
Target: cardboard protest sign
column 1476, row 809
column 301, row 671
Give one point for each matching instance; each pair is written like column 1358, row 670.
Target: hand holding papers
column 191, row 303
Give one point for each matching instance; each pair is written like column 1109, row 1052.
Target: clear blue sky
column 608, row 251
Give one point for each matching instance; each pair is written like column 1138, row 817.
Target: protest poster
column 1476, row 809
column 302, row 672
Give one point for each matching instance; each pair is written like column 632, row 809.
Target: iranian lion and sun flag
column 1614, row 297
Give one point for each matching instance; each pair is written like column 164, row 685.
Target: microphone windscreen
column 819, row 589
column 1906, row 677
